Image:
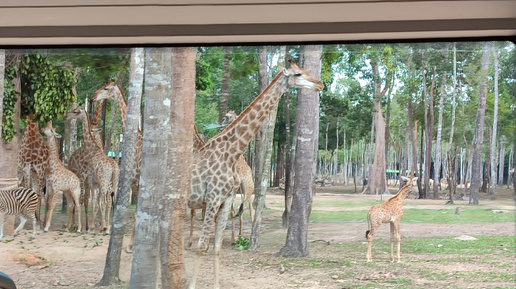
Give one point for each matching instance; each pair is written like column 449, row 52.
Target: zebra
column 22, row 202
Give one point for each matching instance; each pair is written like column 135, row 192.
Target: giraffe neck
column 122, row 105
column 402, row 194
column 53, row 150
column 241, row 131
column 97, row 114
column 86, row 132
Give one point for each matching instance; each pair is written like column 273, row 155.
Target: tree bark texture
column 377, row 181
column 121, row 214
column 437, row 165
column 492, row 188
column 296, row 244
column 158, row 91
column 263, row 150
column 429, row 132
column 180, row 157
column 476, row 163
column 224, row 96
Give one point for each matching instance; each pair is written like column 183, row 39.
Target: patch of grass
column 505, row 245
column 426, row 216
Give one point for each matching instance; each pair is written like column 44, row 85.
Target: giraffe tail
column 367, row 233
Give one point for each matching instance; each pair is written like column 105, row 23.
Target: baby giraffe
column 388, row 212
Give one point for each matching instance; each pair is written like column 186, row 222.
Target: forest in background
column 434, row 85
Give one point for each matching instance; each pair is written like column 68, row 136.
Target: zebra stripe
column 22, row 202
column 18, row 201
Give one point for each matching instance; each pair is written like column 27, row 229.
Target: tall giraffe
column 245, row 180
column 62, row 180
column 388, row 212
column 214, row 181
column 33, row 160
column 97, row 172
column 114, row 92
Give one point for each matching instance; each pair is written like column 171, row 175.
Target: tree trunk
column 437, row 165
column 377, row 181
column 263, row 149
column 8, row 151
column 501, row 160
column 476, row 165
column 224, row 95
column 485, row 172
column 289, row 164
column 121, row 213
column 180, row 155
column 492, row 189
column 429, row 131
column 307, row 117
column 147, row 239
column 280, row 164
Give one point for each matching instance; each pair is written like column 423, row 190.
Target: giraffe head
column 75, row 112
column 110, row 90
column 105, row 92
column 229, row 117
column 298, row 77
column 51, row 133
column 409, row 180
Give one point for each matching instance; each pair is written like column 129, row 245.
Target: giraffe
column 245, row 174
column 388, row 212
column 96, row 172
column 213, row 177
column 114, row 92
column 62, row 180
column 245, row 180
column 33, row 159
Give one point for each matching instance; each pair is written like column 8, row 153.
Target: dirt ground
column 68, row 260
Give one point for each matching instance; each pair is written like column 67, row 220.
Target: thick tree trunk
column 263, row 149
column 180, row 156
column 377, row 181
column 306, row 133
column 158, row 91
column 121, row 211
column 476, row 165
column 289, row 157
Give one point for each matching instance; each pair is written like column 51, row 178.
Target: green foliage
column 241, row 244
column 10, row 97
column 46, row 88
column 46, row 91
column 504, row 245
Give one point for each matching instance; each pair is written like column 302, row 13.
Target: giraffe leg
column 232, row 224
column 34, row 226
column 94, row 204
column 370, row 236
column 51, row 204
column 202, row 247
column 398, row 239
column 393, row 230
column 76, row 196
column 222, row 217
column 70, row 203
column 192, row 219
